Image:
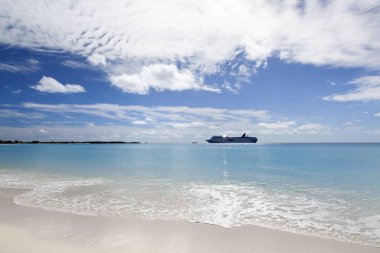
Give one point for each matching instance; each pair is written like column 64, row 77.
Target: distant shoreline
column 67, row 142
column 166, row 143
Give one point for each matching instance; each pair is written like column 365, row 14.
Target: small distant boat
column 194, row 142
column 225, row 139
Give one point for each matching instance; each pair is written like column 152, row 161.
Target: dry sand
column 31, row 230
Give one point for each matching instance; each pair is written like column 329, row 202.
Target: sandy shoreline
column 28, row 229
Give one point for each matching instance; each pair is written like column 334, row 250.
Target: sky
column 177, row 71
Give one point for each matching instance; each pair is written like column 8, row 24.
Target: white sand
column 29, row 230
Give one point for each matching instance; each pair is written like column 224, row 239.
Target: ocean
column 325, row 190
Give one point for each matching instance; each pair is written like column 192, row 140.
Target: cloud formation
column 124, row 37
column 146, row 123
column 367, row 89
column 75, row 64
column 137, row 114
column 27, row 66
column 50, row 85
column 6, row 113
column 159, row 77
column 289, row 127
column 164, row 123
column 277, row 125
column 139, row 122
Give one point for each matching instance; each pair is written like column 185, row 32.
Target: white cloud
column 166, row 120
column 244, row 71
column 234, row 88
column 75, row 64
column 309, row 128
column 170, row 121
column 171, row 114
column 147, row 119
column 27, row 66
column 198, row 36
column 97, row 59
column 108, row 111
column 373, row 132
column 188, row 124
column 159, row 77
column 277, row 125
column 367, row 89
column 6, row 113
column 153, row 124
column 18, row 91
column 377, row 114
column 289, row 127
column 139, row 122
column 50, row 85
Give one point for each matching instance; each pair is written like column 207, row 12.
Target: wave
column 316, row 212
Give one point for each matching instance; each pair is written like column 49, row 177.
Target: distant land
column 66, row 142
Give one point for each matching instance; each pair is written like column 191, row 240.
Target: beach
column 189, row 198
column 29, row 229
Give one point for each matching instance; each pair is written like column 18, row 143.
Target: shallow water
column 326, row 190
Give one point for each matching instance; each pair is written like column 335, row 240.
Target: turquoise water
column 326, row 190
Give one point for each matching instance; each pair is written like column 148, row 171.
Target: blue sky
column 171, row 71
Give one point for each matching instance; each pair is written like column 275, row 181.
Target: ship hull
column 233, row 140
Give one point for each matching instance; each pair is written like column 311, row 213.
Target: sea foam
column 226, row 204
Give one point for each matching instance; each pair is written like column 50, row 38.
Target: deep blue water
column 328, row 190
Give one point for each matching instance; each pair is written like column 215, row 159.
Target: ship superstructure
column 225, row 139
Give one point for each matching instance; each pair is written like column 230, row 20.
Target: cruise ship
column 225, row 139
